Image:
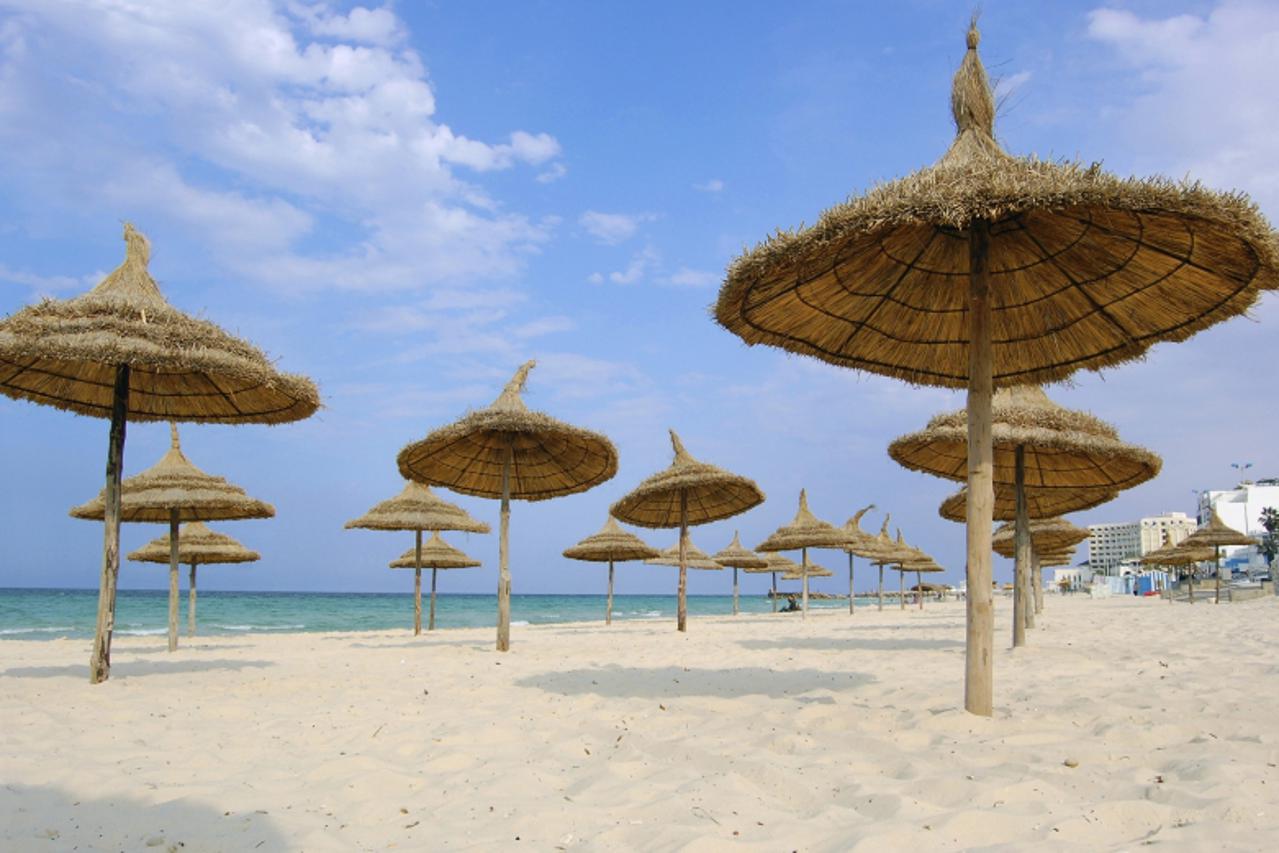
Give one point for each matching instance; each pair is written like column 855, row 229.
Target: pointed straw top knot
column 971, row 102
column 137, row 249
column 174, row 442
column 682, row 456
column 510, row 397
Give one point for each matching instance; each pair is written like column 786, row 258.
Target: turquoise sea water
column 36, row 614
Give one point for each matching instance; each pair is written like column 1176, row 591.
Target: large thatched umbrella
column 417, row 508
column 1035, row 443
column 611, row 544
column 434, row 554
column 987, row 269
column 1214, row 535
column 688, row 492
column 176, row 491
column 197, row 546
column 121, row 351
column 861, row 544
column 737, row 557
column 805, row 531
column 507, row 451
column 775, row 563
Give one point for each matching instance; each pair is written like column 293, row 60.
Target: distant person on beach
column 792, row 606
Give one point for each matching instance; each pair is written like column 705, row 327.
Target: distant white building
column 1241, row 508
column 1114, row 548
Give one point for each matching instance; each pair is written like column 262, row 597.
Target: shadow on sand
column 45, row 818
column 851, row 644
column 673, row 682
column 134, row 668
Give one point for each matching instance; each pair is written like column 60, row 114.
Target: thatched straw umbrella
column 507, row 451
column 1183, row 559
column 691, row 557
column 121, row 351
column 805, row 531
column 1214, row 535
column 1046, row 534
column 197, row 546
column 417, row 508
column 736, row 557
column 434, row 554
column 1040, row 503
column 808, row 569
column 775, row 563
column 688, row 492
column 1037, row 443
column 987, row 269
column 611, row 544
column 861, row 544
column 882, row 552
column 911, row 559
column 174, row 490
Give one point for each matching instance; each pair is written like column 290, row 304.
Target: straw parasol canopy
column 436, row 554
column 1063, row 448
column 814, row 571
column 987, row 269
column 1046, row 535
column 1040, row 503
column 776, row 564
column 174, row 484
column 861, row 544
column 697, row 558
column 507, row 451
column 689, row 492
column 805, row 531
column 417, row 508
column 737, row 557
column 176, row 491
column 1214, row 535
column 121, row 351
column 611, row 544
column 197, row 546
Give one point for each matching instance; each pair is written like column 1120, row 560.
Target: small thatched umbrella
column 1040, row 503
column 174, row 490
column 775, row 563
column 811, row 570
column 988, row 269
column 911, row 559
column 121, row 351
column 882, row 552
column 1213, row 535
column 611, row 544
column 435, row 554
column 197, row 546
column 736, row 557
column 1183, row 558
column 805, row 531
column 696, row 558
column 507, row 451
column 1036, row 443
column 1046, row 534
column 861, row 544
column 688, row 492
column 417, row 508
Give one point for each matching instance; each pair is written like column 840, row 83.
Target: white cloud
column 685, row 277
column 257, row 124
column 1206, row 97
column 595, row 278
column 612, row 228
column 553, row 174
column 714, row 185
column 49, row 285
column 1006, row 86
column 641, row 262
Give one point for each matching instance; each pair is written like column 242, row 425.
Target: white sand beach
column 768, row 732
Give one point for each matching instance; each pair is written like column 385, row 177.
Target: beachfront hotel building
column 1241, row 508
column 1112, row 545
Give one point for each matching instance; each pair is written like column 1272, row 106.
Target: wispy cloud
column 612, row 228
column 641, row 263
column 686, row 277
column 714, row 185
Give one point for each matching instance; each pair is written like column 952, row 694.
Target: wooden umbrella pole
column 191, row 602
column 735, row 608
column 503, row 550
column 901, row 587
column 1217, row 560
column 173, row 579
column 608, row 609
column 881, row 587
column 1021, row 546
column 1032, row 585
column 430, row 625
column 417, row 583
column 774, row 595
column 681, row 607
column 804, row 558
column 850, row 583
column 919, row 586
column 979, row 659
column 100, row 659
column 1037, row 580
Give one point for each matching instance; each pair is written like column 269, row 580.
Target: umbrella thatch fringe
column 197, row 545
column 612, row 543
column 416, row 507
column 436, row 554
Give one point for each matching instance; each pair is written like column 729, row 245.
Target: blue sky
column 405, row 202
